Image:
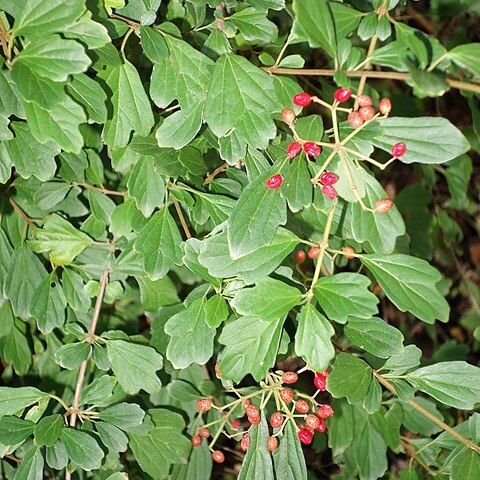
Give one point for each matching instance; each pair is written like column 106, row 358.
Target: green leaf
column 99, row 391
column 123, row 415
column 241, row 97
column 88, row 32
column 216, row 311
column 156, row 294
column 466, row 57
column 88, row 93
column 298, row 191
column 56, row 456
column 153, row 44
column 31, row 467
column 10, row 102
column 465, row 465
column 350, row 378
column 456, row 384
column 254, row 25
column 345, row 295
column 251, row 345
column 48, row 430
column 257, row 463
column 256, row 217
column 375, row 336
column 15, row 430
column 312, row 340
column 61, row 239
column 370, row 453
column 373, row 401
column 74, row 291
column 191, row 337
column 71, row 355
column 199, row 466
column 130, row 105
column 82, row 449
column 112, row 437
column 50, row 194
column 16, row 350
column 288, row 458
column 12, row 400
column 410, row 283
column 159, row 244
column 134, row 366
column 408, row 359
column 428, row 139
column 39, row 17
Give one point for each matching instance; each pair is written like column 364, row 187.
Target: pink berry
column 293, row 150
column 235, row 424
column 342, row 95
column 329, row 178
column 287, row 395
column 218, row 456
column 254, row 420
column 218, row 373
column 252, row 411
column 274, row 182
column 196, row 440
column 204, row 405
column 312, row 421
column 245, row 442
column 301, row 406
column 364, row 101
column 204, row 432
column 288, row 116
column 355, row 119
column 246, row 402
column 289, row 377
column 272, row 443
column 312, row 149
column 367, row 113
column 320, row 382
column 325, row 411
column 313, row 252
column 305, row 436
column 276, row 419
column 321, row 427
column 399, row 149
column 302, row 99
column 300, row 256
column 349, row 252
column 385, row 106
column 330, row 192
column 383, row 205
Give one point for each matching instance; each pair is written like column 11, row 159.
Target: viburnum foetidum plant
column 225, row 228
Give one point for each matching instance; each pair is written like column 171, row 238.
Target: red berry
column 325, row 411
column 196, row 440
column 312, row 421
column 383, row 205
column 288, row 116
column 330, row 192
column 204, row 432
column 364, row 101
column 300, row 256
column 218, row 373
column 293, row 150
column 204, row 404
column 246, row 402
column 272, row 443
column 305, row 436
column 355, row 119
column 254, row 420
column 276, row 419
column 377, row 289
column 329, row 178
column 287, row 395
column 302, row 99
column 274, row 182
column 245, row 442
column 252, row 411
column 348, row 252
column 218, row 456
column 367, row 113
column 235, row 424
column 313, row 252
column 322, row 427
column 399, row 149
column 312, row 149
column 325, row 373
column 302, row 406
column 342, row 95
column 320, row 382
column 385, row 106
column 289, row 377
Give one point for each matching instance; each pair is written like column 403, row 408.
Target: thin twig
column 216, row 172
column 106, row 191
column 22, row 214
column 178, row 208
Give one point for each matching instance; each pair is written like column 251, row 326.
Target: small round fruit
column 274, row 182
column 312, row 149
column 276, row 419
column 313, row 252
column 301, row 406
column 329, row 192
column 288, row 116
column 399, row 149
column 293, row 150
column 385, row 106
column 364, row 101
column 367, row 113
column 246, row 402
column 328, row 178
column 235, row 424
column 348, row 252
column 320, row 382
column 377, row 289
column 204, row 432
column 300, row 256
column 305, row 436
column 312, row 421
column 342, row 95
column 252, row 411
column 325, row 373
column 355, row 119
column 321, row 427
column 254, row 420
column 325, row 411
column 218, row 456
column 303, row 99
column 289, row 377
column 287, row 395
column 196, row 440
column 218, row 372
column 383, row 205
column 272, row 443
column 204, row 405
column 245, row 442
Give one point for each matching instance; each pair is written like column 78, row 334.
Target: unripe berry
column 385, row 106
column 348, row 252
column 254, row 420
column 364, row 101
column 399, row 149
column 204, row 405
column 276, row 419
column 312, row 421
column 312, row 149
column 252, row 411
column 287, row 395
column 313, row 252
column 288, row 116
column 272, row 443
column 367, row 113
column 289, row 377
column 235, row 424
column 330, row 192
column 218, row 456
column 302, row 406
column 204, row 432
column 293, row 150
column 355, row 119
column 246, row 402
column 322, row 427
column 302, row 99
column 300, row 256
column 320, row 382
column 325, row 411
column 218, row 373
column 196, row 440
column 383, row 205
column 342, row 95
column 245, row 442
column 328, row 178
column 274, row 182
column 305, row 436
